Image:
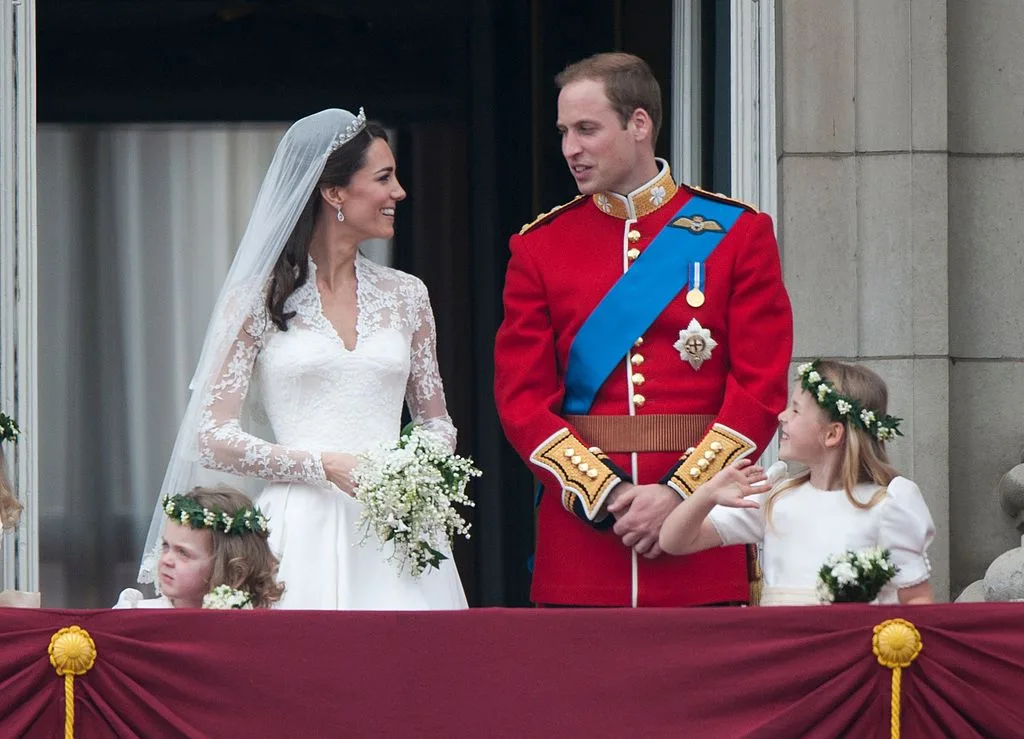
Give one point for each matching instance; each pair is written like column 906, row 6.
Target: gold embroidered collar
column 642, row 201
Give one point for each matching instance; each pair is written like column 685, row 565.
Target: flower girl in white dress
column 848, row 498
column 214, row 538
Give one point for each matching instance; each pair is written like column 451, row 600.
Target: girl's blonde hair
column 10, row 508
column 241, row 561
column 864, row 456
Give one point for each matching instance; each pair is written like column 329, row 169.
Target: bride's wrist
column 325, row 467
column 339, row 468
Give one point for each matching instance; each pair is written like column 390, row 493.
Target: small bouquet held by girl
column 227, row 598
column 409, row 490
column 855, row 577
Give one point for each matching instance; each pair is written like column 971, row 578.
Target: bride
column 325, row 345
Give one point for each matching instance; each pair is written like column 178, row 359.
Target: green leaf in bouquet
column 450, row 478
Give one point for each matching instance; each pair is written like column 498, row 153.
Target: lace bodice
column 318, row 395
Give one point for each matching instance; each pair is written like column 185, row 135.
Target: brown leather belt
column 655, row 432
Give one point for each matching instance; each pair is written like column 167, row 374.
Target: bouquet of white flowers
column 408, row 490
column 225, row 597
column 855, row 577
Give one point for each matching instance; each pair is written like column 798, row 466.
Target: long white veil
column 293, row 173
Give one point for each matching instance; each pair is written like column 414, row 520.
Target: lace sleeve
column 225, row 446
column 424, row 392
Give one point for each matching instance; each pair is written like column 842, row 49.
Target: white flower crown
column 843, row 408
column 190, row 512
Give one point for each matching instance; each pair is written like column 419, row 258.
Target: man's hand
column 640, row 510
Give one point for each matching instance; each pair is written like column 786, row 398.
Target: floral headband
column 8, row 428
column 190, row 512
column 842, row 408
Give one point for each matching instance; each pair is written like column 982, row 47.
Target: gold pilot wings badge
column 697, row 224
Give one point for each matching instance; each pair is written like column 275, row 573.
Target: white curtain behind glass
column 137, row 228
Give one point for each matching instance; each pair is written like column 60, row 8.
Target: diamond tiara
column 353, row 128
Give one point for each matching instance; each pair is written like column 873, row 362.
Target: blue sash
column 668, row 264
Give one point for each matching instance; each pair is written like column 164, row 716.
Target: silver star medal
column 695, row 344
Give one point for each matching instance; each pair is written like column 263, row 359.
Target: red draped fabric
column 766, row 672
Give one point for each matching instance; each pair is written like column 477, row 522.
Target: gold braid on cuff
column 721, row 446
column 582, row 471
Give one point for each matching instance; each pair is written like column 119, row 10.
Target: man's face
column 601, row 154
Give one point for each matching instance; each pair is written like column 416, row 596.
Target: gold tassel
column 72, row 652
column 896, row 643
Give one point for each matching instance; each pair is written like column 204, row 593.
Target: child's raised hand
column 732, row 486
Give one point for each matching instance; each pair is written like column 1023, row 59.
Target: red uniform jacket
column 560, row 268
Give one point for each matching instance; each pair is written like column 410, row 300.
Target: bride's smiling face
column 369, row 199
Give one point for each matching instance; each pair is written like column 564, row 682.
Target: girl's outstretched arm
column 687, row 530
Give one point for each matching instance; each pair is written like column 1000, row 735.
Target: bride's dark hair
column 292, row 267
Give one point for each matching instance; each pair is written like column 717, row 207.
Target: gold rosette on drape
column 72, row 652
column 896, row 643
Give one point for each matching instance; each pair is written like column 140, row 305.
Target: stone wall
column 986, row 274
column 863, row 221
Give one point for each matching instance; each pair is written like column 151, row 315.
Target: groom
column 645, row 345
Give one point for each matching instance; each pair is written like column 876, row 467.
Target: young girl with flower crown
column 848, row 498
column 214, row 554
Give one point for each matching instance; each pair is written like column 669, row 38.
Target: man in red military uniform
column 645, row 345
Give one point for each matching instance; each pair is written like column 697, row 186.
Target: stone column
column 986, row 274
column 863, row 159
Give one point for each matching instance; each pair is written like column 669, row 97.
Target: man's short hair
column 628, row 83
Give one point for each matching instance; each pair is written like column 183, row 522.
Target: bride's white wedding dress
column 321, row 396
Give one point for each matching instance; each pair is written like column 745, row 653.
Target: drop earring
column 341, row 216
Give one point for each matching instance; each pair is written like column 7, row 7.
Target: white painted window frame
column 754, row 162
column 18, row 279
column 752, row 48
column 753, row 137
column 685, row 96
